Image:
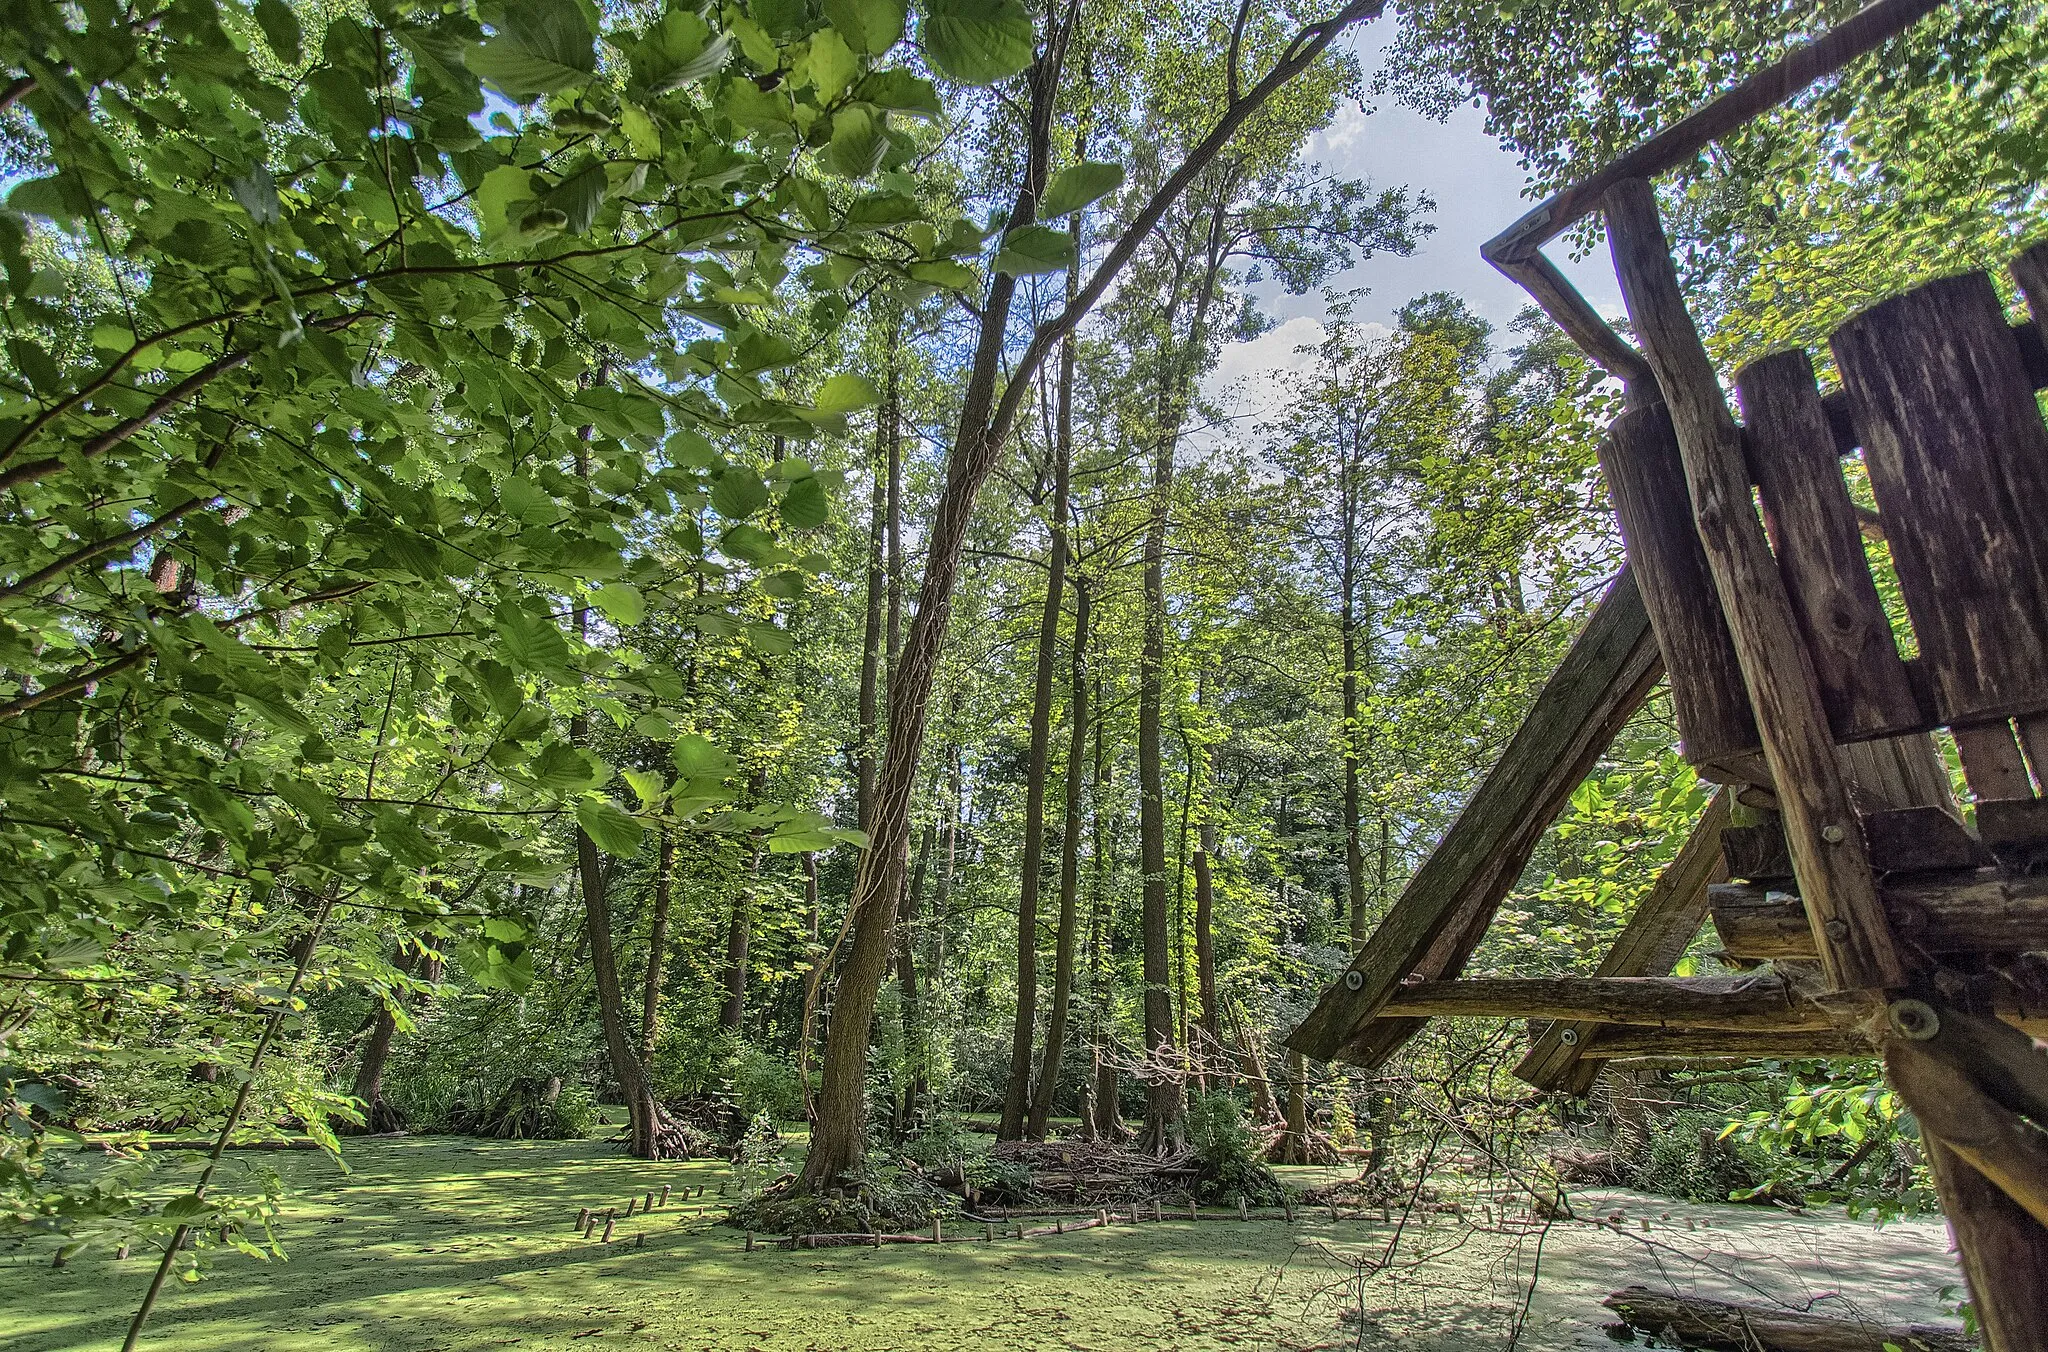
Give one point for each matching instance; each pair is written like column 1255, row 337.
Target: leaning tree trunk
column 1070, row 875
column 838, row 1141
column 378, row 1115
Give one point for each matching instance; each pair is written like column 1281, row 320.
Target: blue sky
column 1478, row 190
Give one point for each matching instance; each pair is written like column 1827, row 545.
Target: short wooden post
column 938, row 1231
column 664, row 1194
column 1287, row 1203
column 1158, row 1210
column 583, row 1218
column 988, row 1234
column 122, row 1252
column 1244, row 1211
column 1193, row 1214
column 630, row 1201
column 647, row 1204
column 607, row 1231
column 1333, row 1209
column 750, row 1241
column 640, row 1240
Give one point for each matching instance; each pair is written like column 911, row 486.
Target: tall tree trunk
column 838, row 1142
column 1354, row 844
column 1070, row 874
column 911, row 1007
column 868, row 710
column 378, row 1115
column 739, row 931
column 1293, row 1143
column 1162, row 1093
column 1104, row 1120
column 657, row 946
column 1017, row 1095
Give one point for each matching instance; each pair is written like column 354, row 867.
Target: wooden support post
column 1828, row 855
column 1645, row 475
column 1244, row 1211
column 664, row 1194
column 583, row 1218
column 1444, row 911
column 1983, row 1133
column 2004, row 1253
column 606, row 1238
column 1964, row 913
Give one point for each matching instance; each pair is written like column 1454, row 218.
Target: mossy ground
column 436, row 1244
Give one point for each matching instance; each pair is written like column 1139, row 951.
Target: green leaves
column 978, row 42
column 620, row 602
column 610, row 827
column 531, row 642
column 1078, row 185
column 738, row 492
column 543, row 46
column 678, row 49
column 859, row 141
column 805, row 504
column 1034, row 249
column 868, row 26
column 846, row 392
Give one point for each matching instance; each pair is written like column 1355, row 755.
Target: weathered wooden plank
column 1602, row 681
column 1921, row 840
column 1896, row 772
column 2016, row 831
column 1696, row 1321
column 1958, row 460
column 1992, row 762
column 1967, row 913
column 1906, row 839
column 2003, row 1251
column 1650, row 944
column 1616, row 1040
column 1646, row 482
column 1762, row 1002
column 1828, row 854
column 1819, row 545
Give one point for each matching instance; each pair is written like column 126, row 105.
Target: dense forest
column 684, row 573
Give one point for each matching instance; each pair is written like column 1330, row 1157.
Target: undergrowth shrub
column 1226, row 1153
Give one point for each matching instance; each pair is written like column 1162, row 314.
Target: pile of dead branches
column 1097, row 1172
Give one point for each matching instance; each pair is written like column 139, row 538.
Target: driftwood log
column 1695, row 1321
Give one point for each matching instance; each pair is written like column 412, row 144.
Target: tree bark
column 1208, row 1033
column 657, row 946
column 739, row 931
column 1354, row 844
column 1070, row 874
column 379, row 1116
column 912, row 1008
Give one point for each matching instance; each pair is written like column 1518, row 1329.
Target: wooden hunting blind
column 1867, row 912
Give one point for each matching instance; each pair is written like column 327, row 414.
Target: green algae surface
column 454, row 1244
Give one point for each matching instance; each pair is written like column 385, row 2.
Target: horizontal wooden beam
column 1735, row 1003
column 1984, row 911
column 1656, row 936
column 1862, row 32
column 1615, row 1041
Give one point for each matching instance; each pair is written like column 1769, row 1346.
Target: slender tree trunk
column 1294, row 1142
column 1105, row 1118
column 1208, row 1039
column 838, row 1142
column 1017, row 1095
column 1354, row 844
column 739, row 934
column 650, row 1135
column 866, row 719
column 657, row 946
column 1070, row 874
column 379, row 1116
column 912, row 1008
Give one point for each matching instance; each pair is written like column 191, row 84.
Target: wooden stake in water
column 750, row 1241
column 629, row 1207
column 1193, row 1215
column 607, row 1231
column 988, row 1234
column 583, row 1219
column 664, row 1194
column 647, row 1205
column 938, row 1232
column 1244, row 1212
